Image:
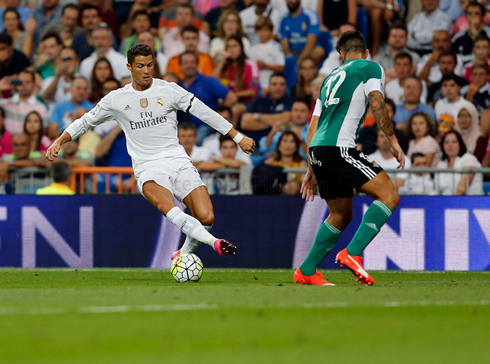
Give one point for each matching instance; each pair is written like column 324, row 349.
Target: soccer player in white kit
column 146, row 111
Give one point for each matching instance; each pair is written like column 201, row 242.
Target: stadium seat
column 291, row 72
column 486, row 188
column 362, row 22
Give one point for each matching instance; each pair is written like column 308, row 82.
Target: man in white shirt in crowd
column 250, row 15
column 385, row 159
column 103, row 40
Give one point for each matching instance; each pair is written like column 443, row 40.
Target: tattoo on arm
column 380, row 112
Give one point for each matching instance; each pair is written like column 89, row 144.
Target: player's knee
column 341, row 221
column 207, row 219
column 392, row 200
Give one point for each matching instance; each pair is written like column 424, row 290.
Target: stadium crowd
column 260, row 64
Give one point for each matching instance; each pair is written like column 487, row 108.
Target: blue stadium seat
column 291, row 72
column 362, row 22
column 325, row 41
column 486, row 188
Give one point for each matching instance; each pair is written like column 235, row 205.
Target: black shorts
column 338, row 170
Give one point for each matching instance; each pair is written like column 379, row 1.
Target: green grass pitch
column 242, row 316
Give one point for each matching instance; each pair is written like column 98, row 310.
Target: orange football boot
column 315, row 280
column 355, row 265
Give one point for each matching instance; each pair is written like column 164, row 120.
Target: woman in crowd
column 287, row 156
column 33, row 126
column 454, row 156
column 467, row 126
column 421, row 131
column 102, row 71
column 229, row 24
column 307, row 72
column 21, row 40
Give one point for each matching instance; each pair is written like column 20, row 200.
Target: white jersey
column 148, row 119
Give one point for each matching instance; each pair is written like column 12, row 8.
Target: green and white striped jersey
column 343, row 102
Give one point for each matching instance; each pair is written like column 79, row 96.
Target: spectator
column 22, row 10
column 71, row 154
column 172, row 42
column 190, row 38
column 368, row 135
column 168, row 19
column 454, row 156
column 33, row 127
column 90, row 140
column 229, row 24
column 451, row 8
column 239, row 73
column 299, row 32
column 5, row 136
column 160, row 60
column 481, row 52
column 404, row 68
column 140, row 21
column 397, row 43
column 461, row 24
column 106, row 13
column 447, row 109
column 421, row 132
column 82, row 43
column 428, row 68
column 463, row 41
column 212, row 142
column 422, row 27
column 287, row 156
column 418, row 183
column 49, row 55
column 379, row 12
column 103, row 40
column 211, row 20
column 13, row 26
column 22, row 157
column 412, row 103
column 60, row 116
column 205, row 6
column 141, row 6
column 478, row 91
column 12, row 61
column 486, row 160
column 188, row 138
column 268, row 53
column 42, row 15
column 332, row 14
column 101, row 72
column 447, row 65
column 307, row 72
column 207, row 89
column 250, row 15
column 68, row 29
column 300, row 115
column 467, row 126
column 62, row 176
column 266, row 111
column 22, row 103
column 315, row 87
column 385, row 159
column 57, row 88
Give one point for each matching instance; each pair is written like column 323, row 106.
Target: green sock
column 325, row 240
column 375, row 217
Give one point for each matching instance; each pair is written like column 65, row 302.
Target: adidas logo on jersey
column 127, row 108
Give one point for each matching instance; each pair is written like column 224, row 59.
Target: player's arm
column 384, row 123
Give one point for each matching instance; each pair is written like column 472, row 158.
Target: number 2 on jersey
column 330, row 98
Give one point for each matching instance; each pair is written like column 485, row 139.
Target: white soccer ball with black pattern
column 187, row 268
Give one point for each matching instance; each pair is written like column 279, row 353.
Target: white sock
column 190, row 226
column 190, row 245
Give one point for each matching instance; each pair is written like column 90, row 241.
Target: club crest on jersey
column 144, row 103
column 304, row 26
column 159, row 101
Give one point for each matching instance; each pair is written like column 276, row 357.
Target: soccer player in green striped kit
column 336, row 167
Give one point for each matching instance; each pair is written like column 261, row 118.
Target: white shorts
column 178, row 175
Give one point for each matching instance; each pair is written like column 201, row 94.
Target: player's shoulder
column 311, row 15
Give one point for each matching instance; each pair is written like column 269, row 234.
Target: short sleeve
column 374, row 78
column 469, row 160
column 314, row 28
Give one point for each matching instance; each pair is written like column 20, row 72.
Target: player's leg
column 163, row 200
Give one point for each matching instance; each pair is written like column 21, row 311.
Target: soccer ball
column 186, row 268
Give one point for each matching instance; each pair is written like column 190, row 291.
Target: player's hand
column 397, row 152
column 53, row 151
column 247, row 145
column 309, row 185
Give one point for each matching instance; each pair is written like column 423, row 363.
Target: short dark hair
column 391, row 103
column 189, row 28
column 52, row 35
column 277, row 74
column 404, row 55
column 5, row 39
column 351, row 42
column 69, row 6
column 61, row 172
column 187, row 126
column 112, row 79
column 29, row 72
column 138, row 13
column 462, row 145
column 416, row 155
column 451, row 77
column 225, row 138
column 222, row 108
column 263, row 22
column 186, row 6
column 398, row 25
column 416, row 79
column 89, row 7
column 481, row 64
column 449, row 52
column 188, row 52
column 480, row 37
column 476, row 4
column 138, row 50
column 302, row 101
